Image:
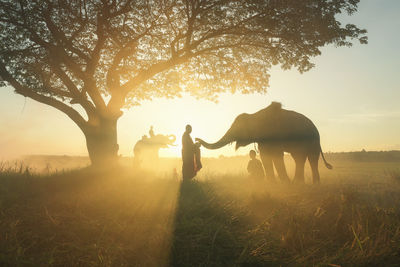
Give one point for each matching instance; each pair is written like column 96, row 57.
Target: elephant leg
column 268, row 166
column 313, row 159
column 280, row 167
column 300, row 161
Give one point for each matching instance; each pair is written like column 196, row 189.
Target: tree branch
column 27, row 92
column 128, row 49
column 59, row 35
column 78, row 96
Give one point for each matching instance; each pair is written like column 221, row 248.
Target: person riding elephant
column 277, row 130
column 146, row 149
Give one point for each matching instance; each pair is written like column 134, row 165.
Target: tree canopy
column 104, row 55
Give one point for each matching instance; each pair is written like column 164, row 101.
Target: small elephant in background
column 146, row 149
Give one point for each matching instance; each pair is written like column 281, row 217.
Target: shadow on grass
column 207, row 233
column 128, row 218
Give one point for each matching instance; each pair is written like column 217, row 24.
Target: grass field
column 141, row 218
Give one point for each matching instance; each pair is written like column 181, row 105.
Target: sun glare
column 209, row 121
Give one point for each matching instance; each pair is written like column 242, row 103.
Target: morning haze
column 199, row 133
column 351, row 95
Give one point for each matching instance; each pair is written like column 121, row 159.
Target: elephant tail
column 329, row 166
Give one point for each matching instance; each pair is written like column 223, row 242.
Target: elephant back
column 278, row 123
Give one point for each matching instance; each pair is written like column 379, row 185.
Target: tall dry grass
column 129, row 217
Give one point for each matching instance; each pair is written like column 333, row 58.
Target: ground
column 140, row 218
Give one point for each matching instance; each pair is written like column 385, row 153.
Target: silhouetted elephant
column 276, row 131
column 147, row 148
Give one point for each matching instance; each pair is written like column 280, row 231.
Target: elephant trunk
column 222, row 142
column 172, row 138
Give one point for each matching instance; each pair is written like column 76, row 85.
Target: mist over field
column 52, row 216
column 199, row 133
column 230, row 165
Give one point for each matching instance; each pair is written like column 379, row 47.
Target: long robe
column 255, row 169
column 190, row 157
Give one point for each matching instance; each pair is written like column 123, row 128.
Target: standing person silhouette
column 255, row 167
column 151, row 132
column 190, row 155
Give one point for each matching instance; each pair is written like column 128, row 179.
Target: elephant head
column 250, row 128
column 163, row 141
column 148, row 147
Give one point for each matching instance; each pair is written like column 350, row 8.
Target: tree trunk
column 101, row 142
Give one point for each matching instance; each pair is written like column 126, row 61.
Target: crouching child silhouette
column 255, row 167
column 191, row 162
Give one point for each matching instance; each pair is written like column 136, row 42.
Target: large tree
column 92, row 58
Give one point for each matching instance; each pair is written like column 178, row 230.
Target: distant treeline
column 45, row 162
column 359, row 156
column 366, row 156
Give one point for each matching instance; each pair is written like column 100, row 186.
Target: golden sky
column 352, row 96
